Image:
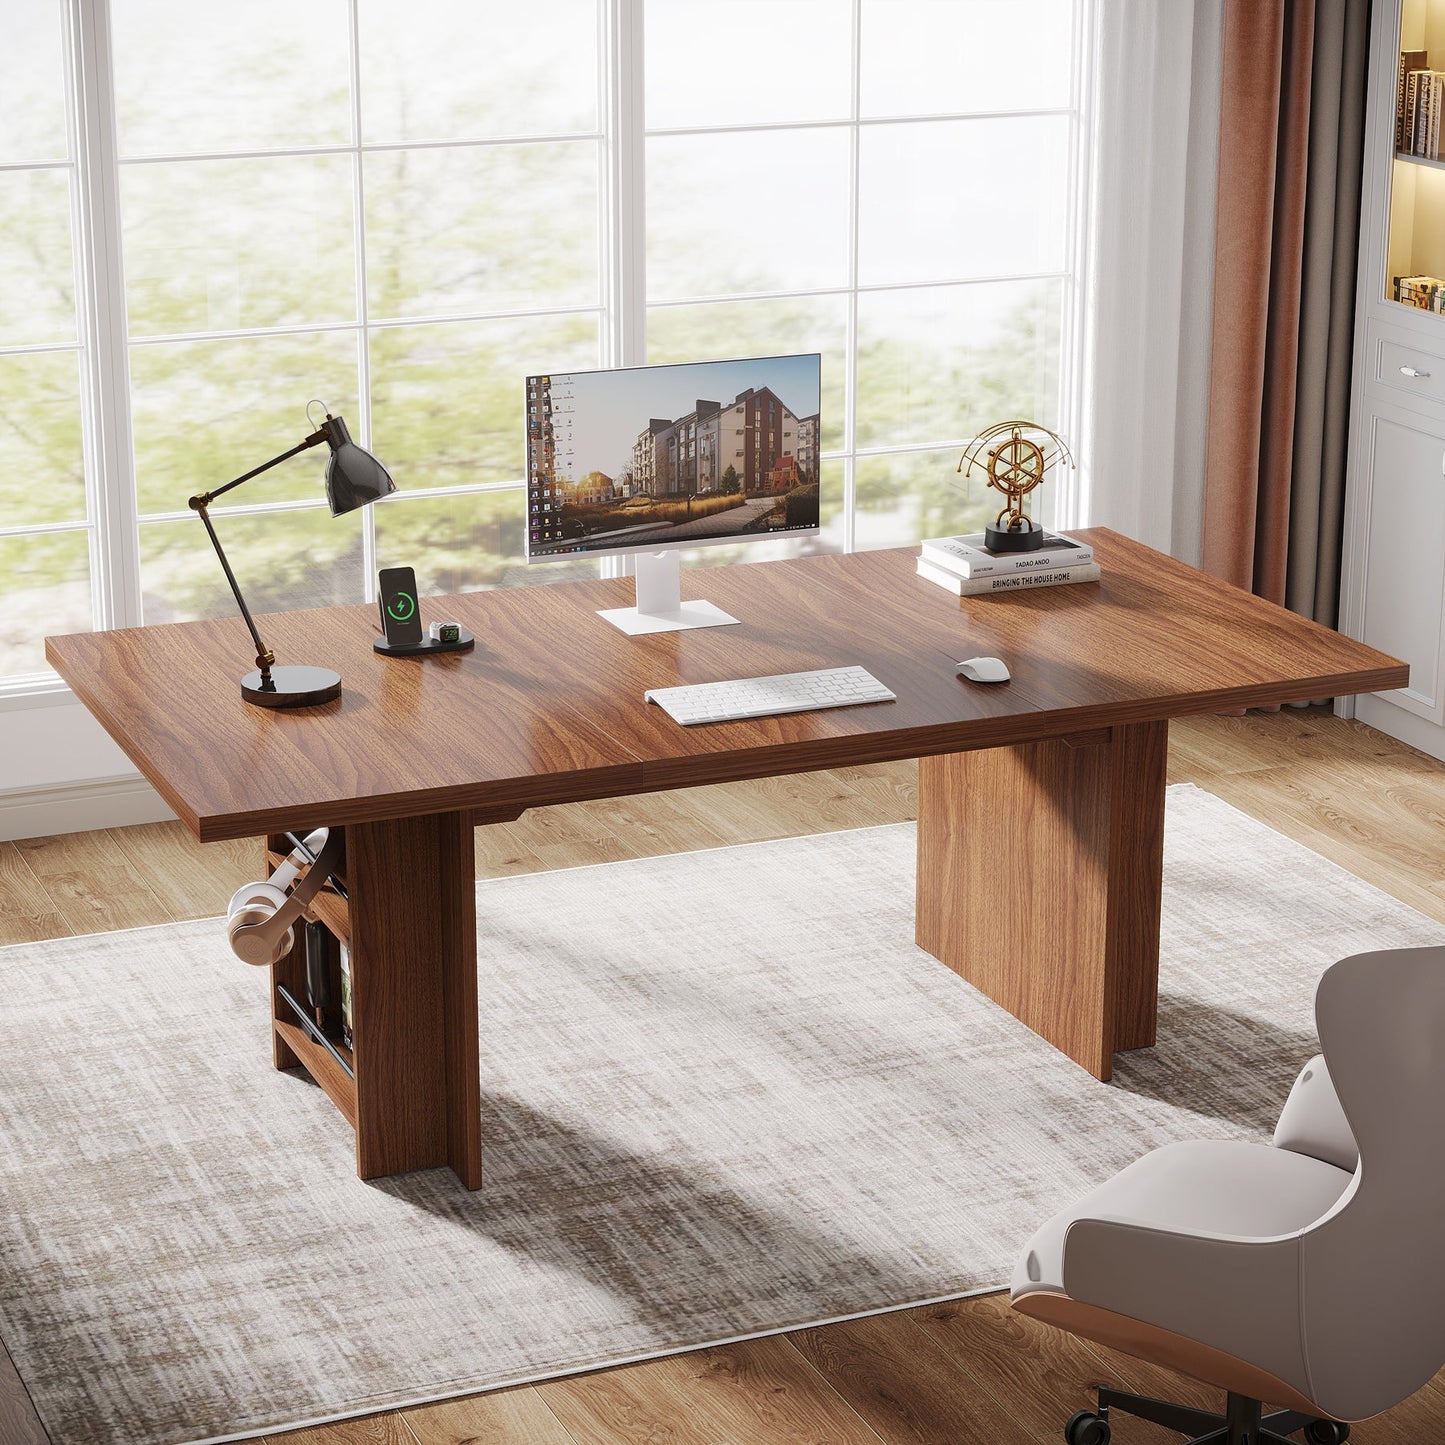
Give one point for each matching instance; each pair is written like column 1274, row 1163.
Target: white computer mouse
column 984, row 669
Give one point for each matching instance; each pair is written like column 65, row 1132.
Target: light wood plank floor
column 959, row 1373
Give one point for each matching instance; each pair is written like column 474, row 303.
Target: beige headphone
column 260, row 916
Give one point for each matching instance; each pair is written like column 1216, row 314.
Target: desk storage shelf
column 292, row 1042
column 404, row 908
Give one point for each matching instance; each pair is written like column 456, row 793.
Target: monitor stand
column 660, row 607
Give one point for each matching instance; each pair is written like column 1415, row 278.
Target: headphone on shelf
column 260, row 916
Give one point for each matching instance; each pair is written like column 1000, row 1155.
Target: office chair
column 1308, row 1273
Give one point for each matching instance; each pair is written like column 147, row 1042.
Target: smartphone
column 400, row 613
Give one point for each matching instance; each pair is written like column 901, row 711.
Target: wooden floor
column 959, row 1373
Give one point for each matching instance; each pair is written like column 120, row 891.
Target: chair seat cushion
column 1208, row 1186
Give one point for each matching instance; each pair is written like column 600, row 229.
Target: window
column 402, row 207
column 47, row 531
column 923, row 197
column 364, row 211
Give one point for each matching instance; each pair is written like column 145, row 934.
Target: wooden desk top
column 548, row 707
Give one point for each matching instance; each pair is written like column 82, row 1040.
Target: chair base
column 1243, row 1423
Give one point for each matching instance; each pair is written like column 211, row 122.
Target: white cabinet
column 1393, row 582
column 1401, row 605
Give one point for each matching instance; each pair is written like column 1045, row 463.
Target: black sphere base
column 426, row 647
column 1023, row 539
column 292, row 687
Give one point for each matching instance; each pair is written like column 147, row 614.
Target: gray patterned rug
column 723, row 1094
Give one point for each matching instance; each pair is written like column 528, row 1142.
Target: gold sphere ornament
column 1016, row 455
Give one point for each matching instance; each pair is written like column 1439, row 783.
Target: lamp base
column 292, row 687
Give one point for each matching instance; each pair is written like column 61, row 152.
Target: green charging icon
column 401, row 607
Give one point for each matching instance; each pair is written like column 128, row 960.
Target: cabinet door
column 1404, row 600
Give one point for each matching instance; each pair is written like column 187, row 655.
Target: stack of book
column 966, row 567
column 1426, row 292
column 1419, row 101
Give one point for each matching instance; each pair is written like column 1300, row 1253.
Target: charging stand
column 425, row 648
column 660, row 607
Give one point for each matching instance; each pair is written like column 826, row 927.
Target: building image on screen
column 651, row 457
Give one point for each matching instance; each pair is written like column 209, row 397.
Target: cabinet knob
column 1418, row 375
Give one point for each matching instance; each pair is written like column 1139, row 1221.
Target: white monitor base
column 689, row 614
column 660, row 607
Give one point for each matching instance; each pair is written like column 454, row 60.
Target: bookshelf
column 1416, row 235
column 1393, row 583
column 331, row 1064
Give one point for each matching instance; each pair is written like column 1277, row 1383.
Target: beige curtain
column 1286, row 233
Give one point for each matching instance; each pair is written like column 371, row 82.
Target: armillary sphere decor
column 1016, row 455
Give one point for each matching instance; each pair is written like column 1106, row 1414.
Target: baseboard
column 114, row 802
column 1380, row 713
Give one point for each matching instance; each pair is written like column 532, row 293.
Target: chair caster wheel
column 1087, row 1428
column 1327, row 1432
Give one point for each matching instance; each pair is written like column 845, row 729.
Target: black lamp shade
column 354, row 478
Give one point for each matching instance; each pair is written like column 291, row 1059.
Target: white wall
column 61, row 773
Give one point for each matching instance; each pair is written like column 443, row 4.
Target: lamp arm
column 206, row 498
column 199, row 504
column 264, row 656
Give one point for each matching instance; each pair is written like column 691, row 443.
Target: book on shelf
column 1426, row 103
column 968, row 557
column 1417, row 128
column 1409, row 60
column 1425, row 292
column 1008, row 581
column 344, row 962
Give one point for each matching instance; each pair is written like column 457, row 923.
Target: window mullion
column 624, row 197
column 624, row 259
column 363, row 307
column 1071, row 498
column 850, row 359
column 100, row 292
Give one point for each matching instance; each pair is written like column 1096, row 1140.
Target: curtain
column 1287, row 201
column 1156, row 131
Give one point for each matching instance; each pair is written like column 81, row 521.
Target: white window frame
column 622, row 306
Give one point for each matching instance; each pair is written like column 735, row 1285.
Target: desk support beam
column 1039, row 881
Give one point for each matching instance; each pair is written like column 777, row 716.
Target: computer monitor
column 644, row 461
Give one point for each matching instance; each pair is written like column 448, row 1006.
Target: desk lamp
column 354, row 478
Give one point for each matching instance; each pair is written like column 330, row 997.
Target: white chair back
column 1373, row 1270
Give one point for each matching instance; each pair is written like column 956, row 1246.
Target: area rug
column 723, row 1094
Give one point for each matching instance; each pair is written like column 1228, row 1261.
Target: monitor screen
column 645, row 457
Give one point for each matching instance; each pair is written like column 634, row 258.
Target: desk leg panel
column 412, row 885
column 1012, row 883
column 1140, row 757
column 1039, row 878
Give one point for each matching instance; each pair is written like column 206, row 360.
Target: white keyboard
column 767, row 696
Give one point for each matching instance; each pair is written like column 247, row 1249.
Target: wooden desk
column 1041, row 801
